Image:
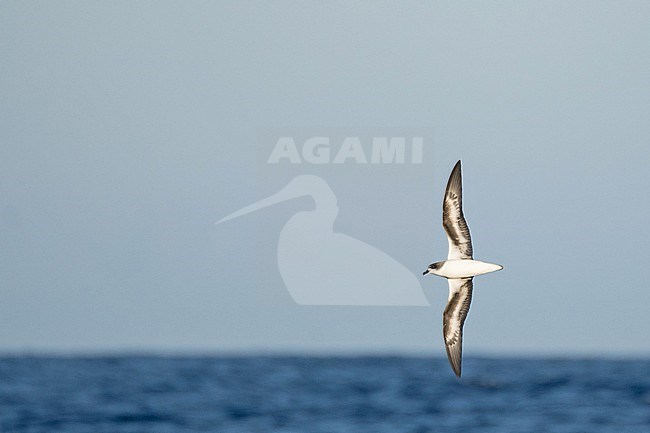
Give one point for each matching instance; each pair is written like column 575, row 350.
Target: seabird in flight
column 459, row 269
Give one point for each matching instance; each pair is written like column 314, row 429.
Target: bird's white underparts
column 459, row 269
column 462, row 268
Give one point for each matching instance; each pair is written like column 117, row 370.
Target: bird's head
column 433, row 268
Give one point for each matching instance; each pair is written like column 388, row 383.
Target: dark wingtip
column 455, row 182
column 457, row 167
column 457, row 370
column 455, row 361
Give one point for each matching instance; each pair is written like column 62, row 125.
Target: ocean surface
column 322, row 395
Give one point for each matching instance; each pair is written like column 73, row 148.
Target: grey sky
column 128, row 128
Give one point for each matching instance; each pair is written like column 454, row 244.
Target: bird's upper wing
column 453, row 319
column 453, row 220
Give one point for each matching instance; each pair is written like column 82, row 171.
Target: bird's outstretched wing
column 453, row 319
column 453, row 220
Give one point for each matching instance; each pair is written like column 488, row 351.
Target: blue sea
column 322, row 395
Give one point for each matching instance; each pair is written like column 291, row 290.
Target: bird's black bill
column 425, row 272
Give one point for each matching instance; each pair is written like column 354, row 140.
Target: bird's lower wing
column 453, row 319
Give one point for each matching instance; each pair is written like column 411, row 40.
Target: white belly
column 466, row 268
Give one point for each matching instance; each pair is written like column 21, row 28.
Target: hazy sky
column 128, row 128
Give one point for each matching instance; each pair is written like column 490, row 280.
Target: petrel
column 459, row 269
